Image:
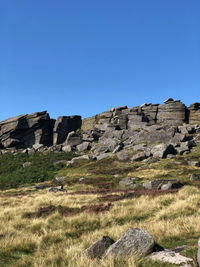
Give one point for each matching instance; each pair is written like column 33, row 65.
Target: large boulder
column 26, row 130
column 99, row 247
column 162, row 150
column 73, row 139
column 163, row 184
column 135, row 240
column 63, row 126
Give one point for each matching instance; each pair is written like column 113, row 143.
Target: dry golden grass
column 56, row 240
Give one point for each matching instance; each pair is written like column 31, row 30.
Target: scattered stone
column 55, row 189
column 27, row 164
column 83, row 147
column 67, row 148
column 163, row 184
column 171, row 257
column 162, row 150
column 194, row 163
column 128, row 182
column 99, row 247
column 139, row 156
column 103, row 156
column 123, row 156
column 194, row 177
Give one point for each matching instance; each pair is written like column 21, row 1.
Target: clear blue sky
column 84, row 56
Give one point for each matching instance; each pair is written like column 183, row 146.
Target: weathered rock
column 27, row 164
column 67, row 148
column 152, row 160
column 163, row 184
column 99, row 247
column 128, row 181
column 55, row 189
column 172, row 113
column 73, row 139
column 139, row 156
column 103, row 156
column 162, row 150
column 194, row 113
column 83, row 147
column 123, row 156
column 135, row 240
column 63, row 126
column 169, row 256
column 26, row 130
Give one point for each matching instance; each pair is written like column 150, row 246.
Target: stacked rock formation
column 114, row 130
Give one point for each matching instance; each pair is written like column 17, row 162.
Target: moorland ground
column 39, row 228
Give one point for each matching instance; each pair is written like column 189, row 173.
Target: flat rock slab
column 135, row 240
column 171, row 257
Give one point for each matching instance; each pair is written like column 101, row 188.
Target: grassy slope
column 57, row 240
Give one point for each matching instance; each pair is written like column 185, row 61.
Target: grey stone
column 99, row 247
column 83, row 157
column 63, row 126
column 162, row 150
column 83, row 147
column 26, row 130
column 67, row 148
column 123, row 156
column 104, row 156
column 27, row 164
column 139, row 156
column 73, row 139
column 55, row 189
column 159, row 184
column 169, row 256
column 135, row 240
column 128, row 181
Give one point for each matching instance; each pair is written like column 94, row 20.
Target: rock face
column 98, row 248
column 63, row 126
column 172, row 113
column 26, row 130
column 121, row 128
column 135, row 240
column 194, row 113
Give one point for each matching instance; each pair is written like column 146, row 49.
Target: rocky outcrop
column 118, row 129
column 172, row 113
column 63, row 126
column 194, row 113
column 26, row 130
